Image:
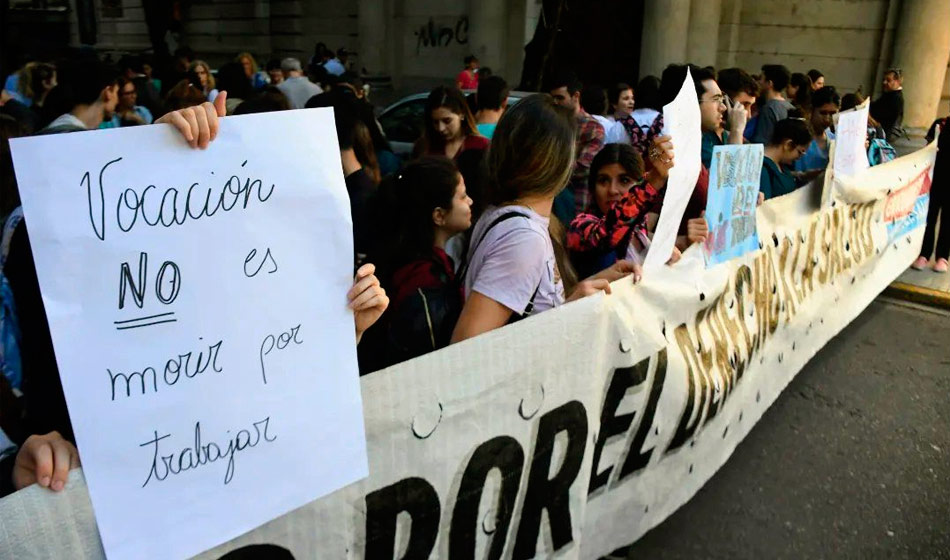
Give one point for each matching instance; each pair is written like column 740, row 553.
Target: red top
column 471, row 142
column 467, row 80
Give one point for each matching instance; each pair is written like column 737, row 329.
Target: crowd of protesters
column 502, row 211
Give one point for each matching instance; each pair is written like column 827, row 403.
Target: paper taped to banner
column 576, row 431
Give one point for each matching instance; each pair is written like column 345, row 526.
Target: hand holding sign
column 198, row 124
column 367, row 298
column 661, row 156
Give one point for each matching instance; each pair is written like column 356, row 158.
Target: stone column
column 731, row 19
column 921, row 50
column 372, row 36
column 702, row 40
column 665, row 27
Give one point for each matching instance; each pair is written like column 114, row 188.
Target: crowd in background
column 503, row 210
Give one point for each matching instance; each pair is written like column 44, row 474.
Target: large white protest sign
column 851, row 135
column 197, row 304
column 682, row 122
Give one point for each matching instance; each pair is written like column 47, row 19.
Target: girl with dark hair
column 233, row 79
column 512, row 270
column 817, row 79
column 426, row 204
column 127, row 112
column 621, row 195
column 799, row 91
column 789, row 141
column 621, row 101
column 449, row 126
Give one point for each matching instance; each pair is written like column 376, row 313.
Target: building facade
column 424, row 41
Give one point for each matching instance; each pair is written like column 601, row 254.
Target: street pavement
column 852, row 460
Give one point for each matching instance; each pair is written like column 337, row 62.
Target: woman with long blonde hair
column 205, row 77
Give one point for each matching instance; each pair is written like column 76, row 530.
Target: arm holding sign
column 697, row 229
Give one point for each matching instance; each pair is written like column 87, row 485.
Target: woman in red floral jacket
column 621, row 195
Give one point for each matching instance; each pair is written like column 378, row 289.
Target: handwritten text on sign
column 851, row 138
column 196, row 301
column 734, row 177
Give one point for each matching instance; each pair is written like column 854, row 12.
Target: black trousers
column 939, row 204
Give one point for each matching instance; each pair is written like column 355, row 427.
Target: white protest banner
column 576, row 431
column 734, row 177
column 197, row 305
column 682, row 122
column 851, row 136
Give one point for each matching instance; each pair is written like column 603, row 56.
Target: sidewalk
column 920, row 286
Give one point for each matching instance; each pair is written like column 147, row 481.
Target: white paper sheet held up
column 851, row 135
column 197, row 304
column 682, row 122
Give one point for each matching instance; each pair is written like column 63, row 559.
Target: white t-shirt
column 645, row 117
column 515, row 259
column 614, row 132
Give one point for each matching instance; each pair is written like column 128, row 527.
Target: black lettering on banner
column 414, row 496
column 610, row 423
column 505, row 454
column 636, row 457
column 688, row 425
column 552, row 493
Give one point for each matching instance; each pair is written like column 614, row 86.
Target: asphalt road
column 852, row 460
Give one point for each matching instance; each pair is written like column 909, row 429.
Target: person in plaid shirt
column 565, row 88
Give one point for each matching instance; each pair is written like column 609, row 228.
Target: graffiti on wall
column 432, row 35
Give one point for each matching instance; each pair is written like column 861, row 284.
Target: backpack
column 880, row 151
column 10, row 336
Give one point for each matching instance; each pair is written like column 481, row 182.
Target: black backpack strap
column 463, row 270
column 515, row 317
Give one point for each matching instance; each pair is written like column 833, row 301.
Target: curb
column 917, row 294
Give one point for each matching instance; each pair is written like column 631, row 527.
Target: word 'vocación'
column 169, row 206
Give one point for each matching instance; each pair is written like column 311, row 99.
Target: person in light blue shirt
column 127, row 113
column 12, row 87
column 492, row 96
column 825, row 104
column 337, row 66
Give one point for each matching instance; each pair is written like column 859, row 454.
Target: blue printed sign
column 734, row 176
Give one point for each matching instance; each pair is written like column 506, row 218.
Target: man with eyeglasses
column 127, row 113
column 888, row 109
column 825, row 103
column 723, row 121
